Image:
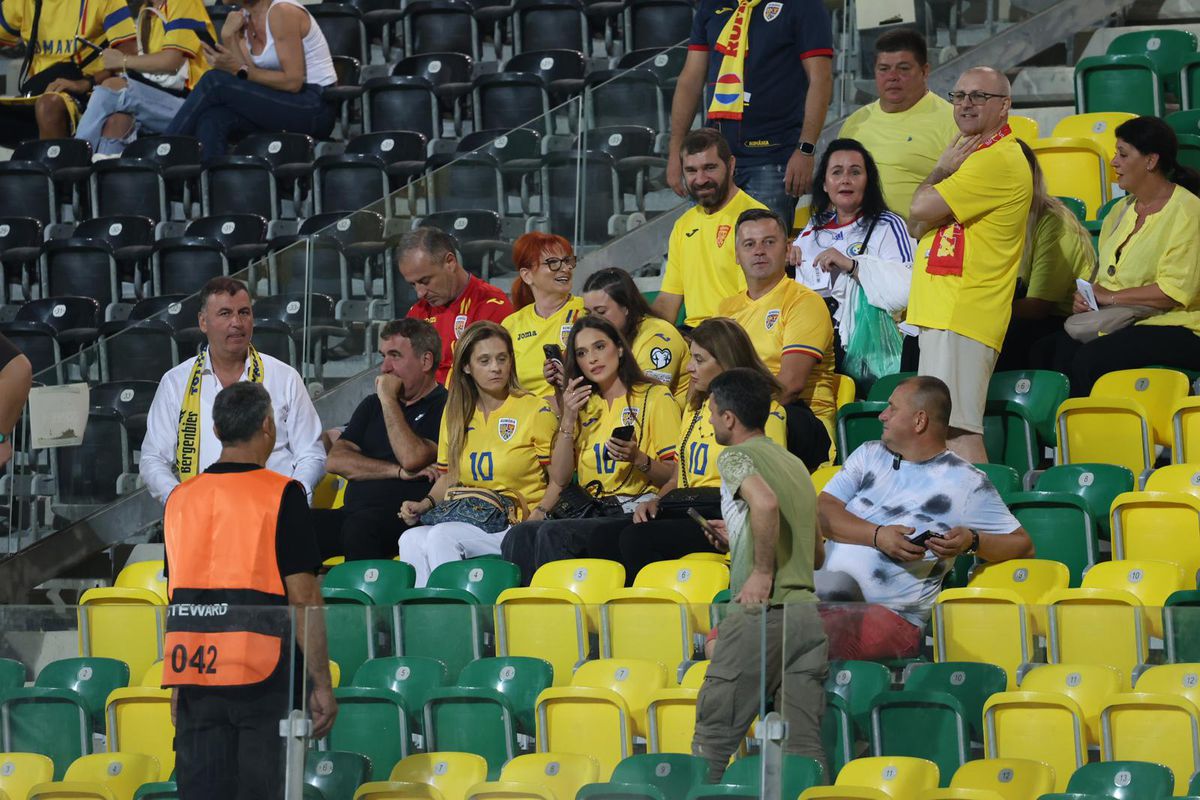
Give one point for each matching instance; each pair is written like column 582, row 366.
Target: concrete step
column 1044, row 86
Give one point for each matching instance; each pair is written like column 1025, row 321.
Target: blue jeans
column 764, row 182
column 152, row 110
column 221, row 105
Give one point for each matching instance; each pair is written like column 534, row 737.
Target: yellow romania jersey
column 103, row 22
column 182, row 26
column 507, row 451
column 531, row 331
column 698, row 447
column 662, row 354
column 652, row 412
column 791, row 319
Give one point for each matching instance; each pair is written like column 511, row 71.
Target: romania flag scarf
column 727, row 99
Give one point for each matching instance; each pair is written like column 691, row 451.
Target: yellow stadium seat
column 958, row 794
column 986, row 625
column 1104, row 430
column 125, row 624
column 330, row 492
column 138, row 720
column 1099, row 126
column 1185, row 431
column 1010, row 778
column 1155, row 390
column 20, row 772
column 671, row 716
column 590, row 579
column 1163, row 522
column 648, row 623
column 882, row 777
column 153, row 677
column 428, row 776
column 844, row 389
column 101, row 776
column 719, row 558
column 601, row 711
column 1074, row 167
column 1157, row 722
column 1151, row 582
column 1031, row 578
column 539, row 776
column 144, row 575
column 698, row 583
column 823, row 475
column 694, row 677
column 1088, row 686
column 335, row 674
column 1025, row 128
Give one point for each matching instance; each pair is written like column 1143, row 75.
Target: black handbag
column 675, row 503
column 576, row 502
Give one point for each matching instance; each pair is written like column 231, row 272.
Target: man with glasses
column 908, row 127
column 969, row 216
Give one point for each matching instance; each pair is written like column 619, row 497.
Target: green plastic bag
column 875, row 343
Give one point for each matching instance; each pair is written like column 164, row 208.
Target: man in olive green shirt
column 770, row 529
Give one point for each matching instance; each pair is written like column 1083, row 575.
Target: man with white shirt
column 180, row 442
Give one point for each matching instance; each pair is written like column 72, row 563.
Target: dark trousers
column 660, row 540
column 222, row 105
column 1017, row 350
column 807, row 436
column 1129, row 348
column 531, row 544
column 358, row 533
column 227, row 744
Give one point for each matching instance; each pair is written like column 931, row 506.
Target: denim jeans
column 221, row 105
column 764, row 182
column 152, row 110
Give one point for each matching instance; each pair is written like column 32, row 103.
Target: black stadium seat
column 349, row 182
column 510, row 100
column 562, row 70
column 441, row 26
column 657, row 23
column 20, row 245
column 81, row 267
column 450, row 74
column 342, row 25
column 465, row 181
column 633, row 97
column 244, row 236
column 401, row 103
column 480, row 242
column 26, row 189
column 183, row 264
column 133, row 186
column 550, row 25
column 69, row 162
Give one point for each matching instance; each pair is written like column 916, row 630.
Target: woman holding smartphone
column 616, row 433
column 494, row 436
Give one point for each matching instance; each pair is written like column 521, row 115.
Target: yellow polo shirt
column 1059, row 256
column 702, row 260
column 179, row 28
column 904, row 144
column 965, row 272
column 530, row 331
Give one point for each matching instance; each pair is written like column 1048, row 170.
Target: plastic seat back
column 858, row 683
column 1152, row 582
column 20, row 772
column 414, row 678
column 633, row 679
column 1181, row 626
column 1032, row 578
column 1167, row 49
column 1097, row 484
column 373, row 722
column 590, row 579
column 1088, row 686
column 51, row 722
column 380, row 579
column 896, row 777
column 1123, row 780
column 1185, row 431
column 1155, row 390
column 119, row 773
column 1024, row 128
column 1074, row 167
column 93, row 678
column 1060, row 527
column 988, row 625
column 672, row 773
column 518, row 679
column 144, row 575
column 336, row 774
column 697, row 582
column 543, row 623
column 969, row 683
column 1109, row 430
column 139, row 721
column 798, row 773
column 1011, row 778
column 485, row 578
column 452, row 774
column 125, row 624
column 562, row 774
column 1126, row 83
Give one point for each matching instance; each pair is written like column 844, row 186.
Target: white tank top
column 318, row 63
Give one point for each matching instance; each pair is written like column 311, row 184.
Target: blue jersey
column 782, row 34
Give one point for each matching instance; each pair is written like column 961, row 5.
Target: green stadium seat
column 1006, row 479
column 858, row 683
column 1022, row 400
column 1118, row 83
column 1123, row 780
column 837, row 732
column 858, row 423
column 1186, row 121
column 1097, row 484
column 411, row 677
column 485, row 578
column 519, row 679
column 12, row 674
column 446, row 624
column 671, row 773
column 1189, row 80
column 53, row 722
column 336, row 774
column 1189, row 150
column 971, row 683
column 472, row 720
column 350, row 627
column 929, row 725
column 1194, row 784
column 882, row 389
column 1075, row 206
column 1167, row 48
column 381, row 580
column 1061, row 528
column 727, row 790
column 373, row 722
column 798, row 773
column 93, row 678
column 159, row 790
column 1181, row 626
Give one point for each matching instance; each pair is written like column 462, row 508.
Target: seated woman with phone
column 616, row 433
column 152, row 85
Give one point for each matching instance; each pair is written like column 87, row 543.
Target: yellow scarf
column 732, row 44
column 187, row 449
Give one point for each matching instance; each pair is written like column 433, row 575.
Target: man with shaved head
column 896, row 517
column 969, row 216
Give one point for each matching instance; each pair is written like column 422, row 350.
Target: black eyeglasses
column 976, row 98
column 556, row 264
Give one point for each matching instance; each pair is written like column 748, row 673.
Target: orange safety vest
column 219, row 530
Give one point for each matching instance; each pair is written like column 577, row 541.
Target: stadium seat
column 1100, row 126
column 401, row 103
column 1004, row 478
column 634, row 149
column 1158, row 722
column 539, row 776
column 858, row 423
column 592, row 213
column 1123, row 780
column 1157, row 390
column 20, row 772
column 561, row 70
column 448, row 71
column 472, row 720
column 986, row 625
column 348, row 182
column 665, row 63
column 1097, row 484
column 516, row 678
column 373, row 722
column 125, row 624
column 1185, row 431
column 133, row 186
column 657, row 23
column 931, row 725
column 162, row 790
column 26, row 189
column 797, row 773
column 103, row 776
column 1019, row 415
column 1075, row 167
column 414, row 678
column 1031, row 578
column 650, row 776
column 1167, row 49
column 1163, row 522
column 465, row 182
column 550, row 25
column 1121, row 598
column 139, row 721
column 83, row 268
column 441, row 26
column 69, row 163
column 671, row 719
column 1024, row 128
column 93, row 679
column 12, row 674
column 271, row 164
column 601, row 711
column 1108, row 430
column 507, row 100
column 1181, row 626
column 403, row 155
column 179, row 158
column 1126, row 83
column 51, row 722
column 335, row 773
column 446, row 624
column 144, row 575
column 20, row 242
column 858, row 683
column 1060, row 527
column 1007, row 778
column 1189, row 79
column 183, row 264
column 131, row 239
column 629, row 97
column 890, row 779
column 450, row 775
column 969, row 683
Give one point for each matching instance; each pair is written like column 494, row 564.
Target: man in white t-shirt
column 890, row 493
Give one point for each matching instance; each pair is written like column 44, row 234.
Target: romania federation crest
column 507, row 428
column 722, row 233
column 771, row 318
column 630, row 415
column 772, row 11
column 460, row 325
column 564, row 333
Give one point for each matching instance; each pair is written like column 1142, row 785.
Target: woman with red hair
column 546, row 309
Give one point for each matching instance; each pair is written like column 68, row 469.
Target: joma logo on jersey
column 523, row 335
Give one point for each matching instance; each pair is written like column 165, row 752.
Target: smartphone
column 919, row 539
column 624, row 433
column 90, row 44
column 553, row 352
column 699, row 519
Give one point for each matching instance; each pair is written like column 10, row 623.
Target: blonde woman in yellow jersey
column 658, row 347
column 617, row 434
column 545, row 308
column 718, row 344
column 494, row 436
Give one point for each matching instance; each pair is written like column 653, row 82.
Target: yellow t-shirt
column 652, row 412
column 662, row 354
column 701, row 258
column 698, row 447
column 791, row 319
column 530, row 331
column 904, row 144
column 1060, row 255
column 179, row 29
column 1166, row 251
column 103, row 22
column 965, row 272
column 508, row 451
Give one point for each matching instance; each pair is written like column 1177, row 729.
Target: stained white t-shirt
column 939, row 494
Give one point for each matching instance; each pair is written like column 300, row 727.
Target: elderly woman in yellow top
column 1149, row 257
column 153, row 83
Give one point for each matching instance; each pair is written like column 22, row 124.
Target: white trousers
column 426, row 546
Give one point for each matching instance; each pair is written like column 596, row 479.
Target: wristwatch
column 807, row 148
column 243, row 72
column 974, row 543
column 645, row 468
